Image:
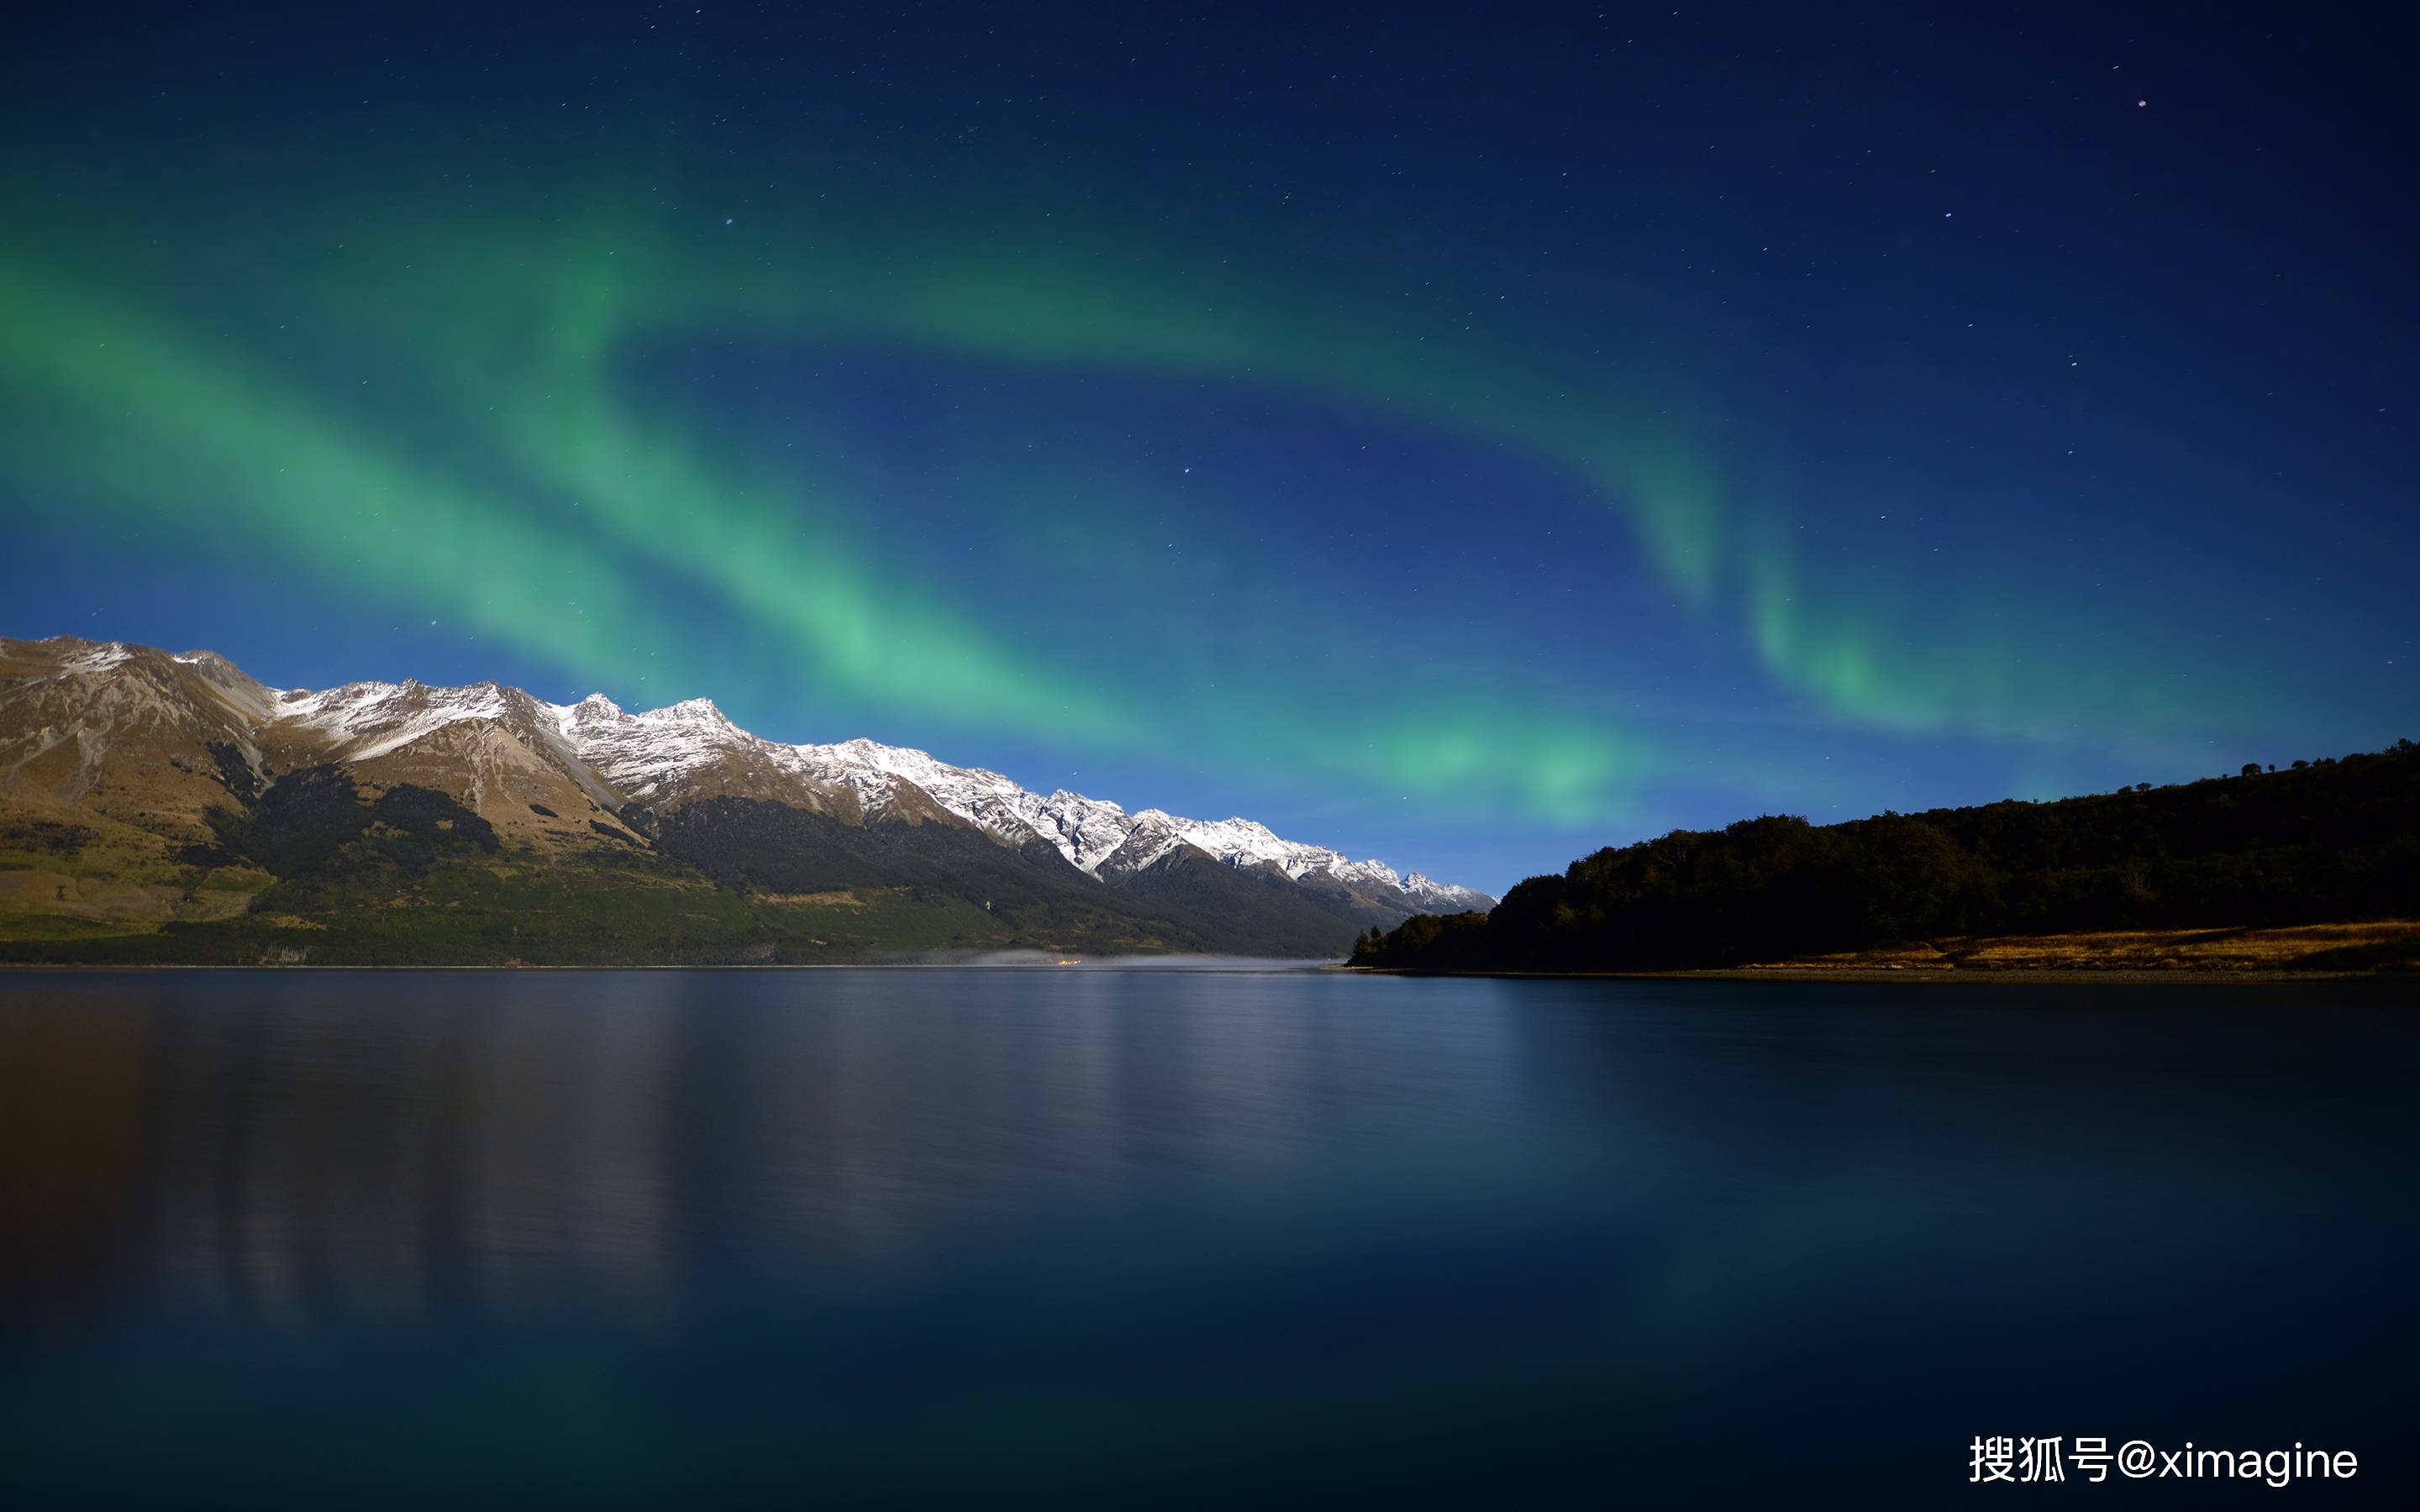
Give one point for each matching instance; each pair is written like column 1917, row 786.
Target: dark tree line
column 2327, row 841
column 316, row 823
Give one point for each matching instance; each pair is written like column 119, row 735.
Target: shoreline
column 2063, row 975
column 2045, row 976
column 1130, row 963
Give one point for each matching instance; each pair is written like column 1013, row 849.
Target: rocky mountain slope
column 158, row 806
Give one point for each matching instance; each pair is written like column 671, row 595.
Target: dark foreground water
column 794, row 1239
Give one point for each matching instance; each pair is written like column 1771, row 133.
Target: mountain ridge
column 168, row 743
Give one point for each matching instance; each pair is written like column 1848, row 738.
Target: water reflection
column 620, row 1236
column 407, row 1142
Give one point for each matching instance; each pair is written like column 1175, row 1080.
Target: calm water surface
column 1165, row 1238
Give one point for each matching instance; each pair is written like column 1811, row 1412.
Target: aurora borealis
column 1459, row 438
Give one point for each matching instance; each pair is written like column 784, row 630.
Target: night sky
column 1466, row 436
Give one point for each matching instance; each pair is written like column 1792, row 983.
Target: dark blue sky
column 1468, row 436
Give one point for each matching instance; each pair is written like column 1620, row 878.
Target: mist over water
column 1180, row 1236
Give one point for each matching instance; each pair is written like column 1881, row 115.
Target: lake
column 1187, row 1237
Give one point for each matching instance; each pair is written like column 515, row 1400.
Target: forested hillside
column 2326, row 841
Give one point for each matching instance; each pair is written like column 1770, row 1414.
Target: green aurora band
column 492, row 463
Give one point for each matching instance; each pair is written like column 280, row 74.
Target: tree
column 2250, row 769
column 2343, row 843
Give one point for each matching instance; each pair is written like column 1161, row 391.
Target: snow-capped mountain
column 1092, row 833
column 691, row 746
column 645, row 754
column 529, row 765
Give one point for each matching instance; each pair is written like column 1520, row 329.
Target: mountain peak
column 95, row 655
column 690, row 749
column 695, row 711
column 1061, row 797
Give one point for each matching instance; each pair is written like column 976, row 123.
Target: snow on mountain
column 1150, row 836
column 366, row 720
column 1090, row 833
column 1242, row 842
column 96, row 658
column 1087, row 831
column 653, row 751
column 1444, row 897
column 639, row 752
column 986, row 800
column 689, row 749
